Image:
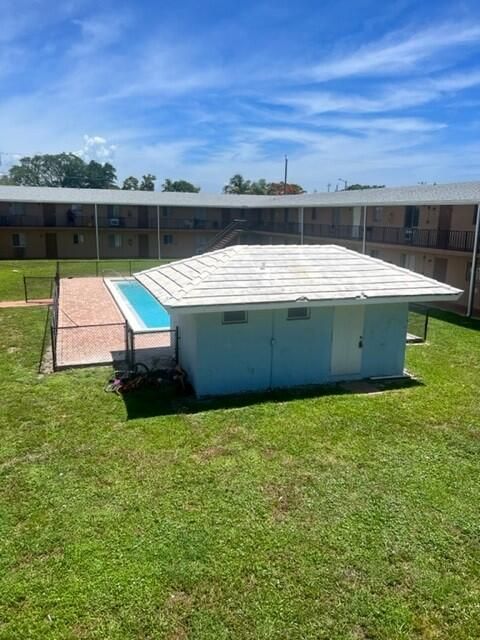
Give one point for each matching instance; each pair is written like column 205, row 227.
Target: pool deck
column 91, row 328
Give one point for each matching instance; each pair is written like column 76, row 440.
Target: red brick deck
column 91, row 329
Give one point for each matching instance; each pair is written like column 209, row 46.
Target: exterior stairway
column 227, row 236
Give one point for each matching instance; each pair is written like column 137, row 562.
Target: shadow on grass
column 454, row 318
column 148, row 403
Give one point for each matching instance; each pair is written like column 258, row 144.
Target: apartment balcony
column 121, row 222
column 451, row 240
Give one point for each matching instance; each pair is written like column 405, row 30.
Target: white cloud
column 388, row 96
column 96, row 148
column 397, row 53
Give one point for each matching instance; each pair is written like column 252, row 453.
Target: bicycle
column 128, row 380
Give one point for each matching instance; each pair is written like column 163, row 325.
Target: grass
column 13, row 271
column 328, row 516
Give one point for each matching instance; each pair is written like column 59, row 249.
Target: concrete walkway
column 91, row 329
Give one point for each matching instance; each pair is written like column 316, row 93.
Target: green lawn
column 329, row 516
column 12, row 272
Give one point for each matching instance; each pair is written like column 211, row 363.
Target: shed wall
column 271, row 351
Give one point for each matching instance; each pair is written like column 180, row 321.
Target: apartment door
column 51, row 249
column 444, row 222
column 143, row 246
column 356, row 220
column 347, row 340
column 143, row 217
column 440, row 269
column 49, row 215
column 226, row 217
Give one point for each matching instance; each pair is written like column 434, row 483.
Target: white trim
column 126, row 309
column 317, row 303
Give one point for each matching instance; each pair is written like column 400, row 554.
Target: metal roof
column 453, row 193
column 284, row 275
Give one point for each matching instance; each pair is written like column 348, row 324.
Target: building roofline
column 456, row 193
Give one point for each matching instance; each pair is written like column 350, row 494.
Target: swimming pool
column 142, row 311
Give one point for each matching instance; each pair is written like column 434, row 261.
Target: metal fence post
column 176, row 345
column 132, row 342
column 25, row 288
column 425, row 330
column 96, row 268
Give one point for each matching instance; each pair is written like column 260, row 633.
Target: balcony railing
column 428, row 238
column 453, row 240
column 104, row 222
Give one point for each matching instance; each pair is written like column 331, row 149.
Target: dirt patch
column 210, row 453
column 283, row 499
column 179, row 600
column 26, row 459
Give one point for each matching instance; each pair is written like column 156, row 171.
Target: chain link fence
column 417, row 328
column 38, row 288
column 100, row 268
column 156, row 349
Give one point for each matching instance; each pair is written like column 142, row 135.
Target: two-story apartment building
column 430, row 229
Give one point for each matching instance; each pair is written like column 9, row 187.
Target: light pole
column 345, row 184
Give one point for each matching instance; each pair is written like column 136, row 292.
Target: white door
column 356, row 220
column 347, row 340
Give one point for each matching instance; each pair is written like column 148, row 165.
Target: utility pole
column 328, row 187
column 345, row 184
column 285, row 177
column 473, row 271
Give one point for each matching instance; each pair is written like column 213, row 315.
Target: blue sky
column 374, row 92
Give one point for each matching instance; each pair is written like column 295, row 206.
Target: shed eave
column 259, row 306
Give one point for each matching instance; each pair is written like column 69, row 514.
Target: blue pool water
column 147, row 308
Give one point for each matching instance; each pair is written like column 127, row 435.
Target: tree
column 179, row 185
column 148, row 182
column 237, row 184
column 259, row 188
column 359, row 187
column 130, row 184
column 100, row 176
column 278, row 189
column 62, row 170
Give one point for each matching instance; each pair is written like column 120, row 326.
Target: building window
column 113, row 210
column 235, row 317
column 78, row 238
column 16, row 208
column 412, row 215
column 474, row 219
column 114, row 241
column 314, row 213
column 165, row 211
column 168, row 238
column 298, row 313
column 378, row 214
column 374, row 253
column 76, row 208
column 336, row 217
column 18, row 240
column 403, row 260
column 468, row 272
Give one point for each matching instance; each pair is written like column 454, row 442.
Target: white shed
column 259, row 317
